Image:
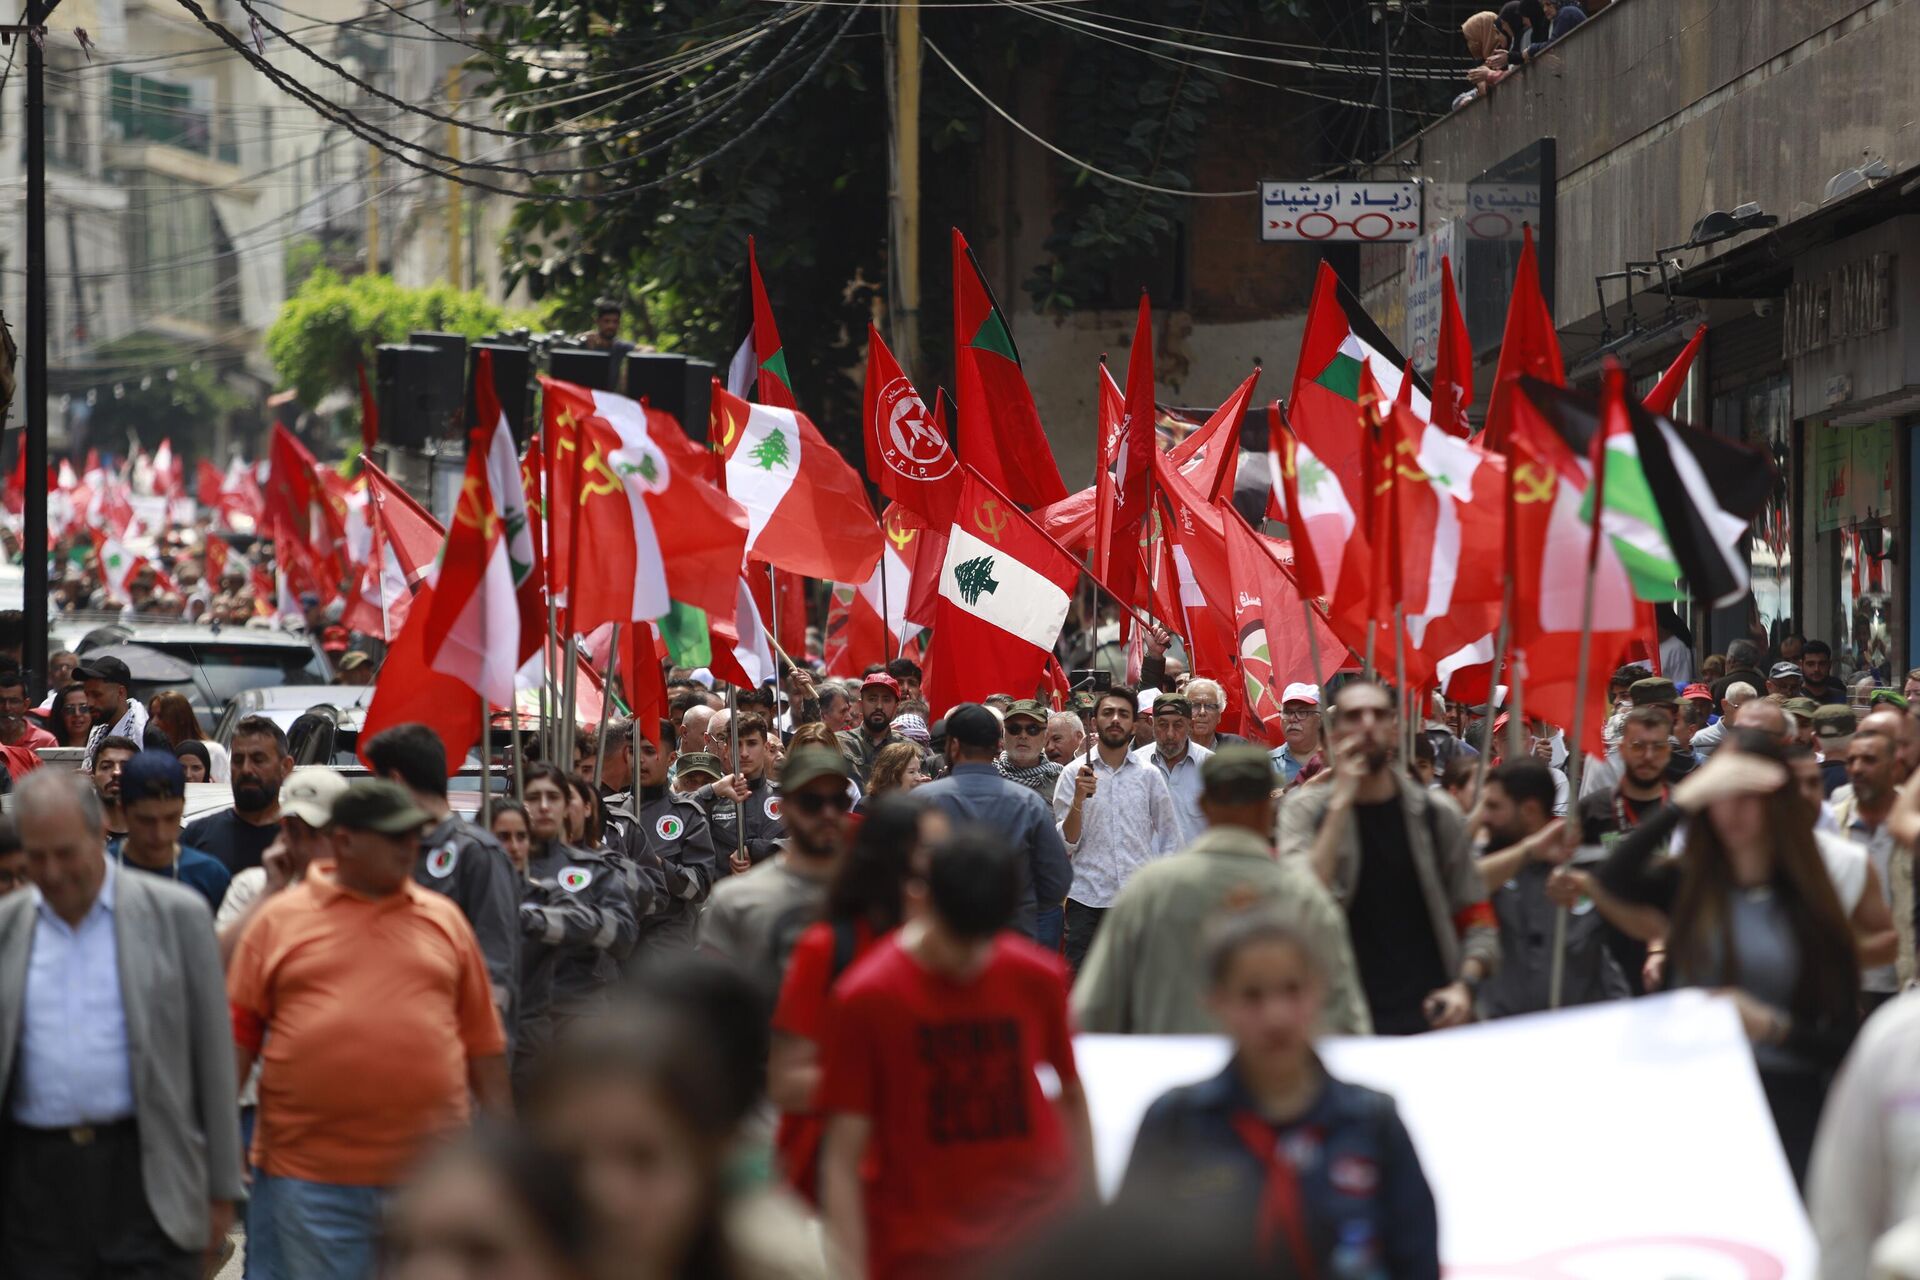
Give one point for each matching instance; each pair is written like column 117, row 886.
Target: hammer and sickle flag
column 1005, row 587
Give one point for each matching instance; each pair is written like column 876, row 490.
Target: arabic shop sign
column 1334, row 212
column 1853, row 300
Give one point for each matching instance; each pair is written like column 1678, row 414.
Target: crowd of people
column 786, row 982
column 1501, row 41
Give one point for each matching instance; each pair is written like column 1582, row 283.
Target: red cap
column 334, row 640
column 884, row 680
column 1697, row 691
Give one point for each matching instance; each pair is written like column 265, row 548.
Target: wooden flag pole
column 1313, row 651
column 606, row 705
column 569, row 700
column 1409, row 710
column 486, row 763
column 519, row 758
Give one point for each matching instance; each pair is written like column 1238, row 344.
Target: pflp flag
column 1000, row 432
column 1272, row 644
column 807, row 510
column 908, row 454
column 1004, row 592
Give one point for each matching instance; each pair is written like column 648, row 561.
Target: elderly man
column 1708, row 739
column 1178, row 759
column 122, row 1149
column 1024, row 761
column 1785, row 679
column 1299, row 757
column 1208, row 702
column 1066, row 734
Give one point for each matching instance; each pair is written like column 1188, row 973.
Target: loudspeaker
column 700, row 375
column 415, row 399
column 661, row 380
column 512, row 386
column 583, row 368
column 450, row 378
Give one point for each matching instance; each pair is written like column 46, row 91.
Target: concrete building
column 1663, row 140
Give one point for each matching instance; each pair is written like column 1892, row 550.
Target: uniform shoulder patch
column 574, row 879
column 441, row 861
column 772, row 808
column 669, row 827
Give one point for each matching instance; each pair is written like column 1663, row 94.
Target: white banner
column 1626, row 1141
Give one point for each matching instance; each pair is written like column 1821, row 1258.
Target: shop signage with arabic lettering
column 1324, row 212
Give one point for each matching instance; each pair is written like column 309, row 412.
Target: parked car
column 321, row 721
column 218, row 663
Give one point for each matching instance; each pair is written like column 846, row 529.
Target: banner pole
column 1313, row 651
column 519, row 758
column 569, row 699
column 486, row 763
column 1481, row 765
column 733, row 763
column 606, row 705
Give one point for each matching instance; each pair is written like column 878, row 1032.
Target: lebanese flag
column 867, row 622
column 651, row 534
column 772, row 383
column 411, row 534
column 1320, row 517
column 1000, row 432
column 1271, row 639
column 116, row 565
column 1453, row 370
column 1005, row 588
column 908, row 454
column 807, row 510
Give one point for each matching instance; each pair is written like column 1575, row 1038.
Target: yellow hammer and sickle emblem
column 472, row 512
column 730, row 427
column 1531, row 484
column 990, row 519
column 1414, row 472
column 594, row 488
column 898, row 533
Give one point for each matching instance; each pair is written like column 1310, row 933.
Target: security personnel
column 760, row 811
column 670, row 833
column 579, row 910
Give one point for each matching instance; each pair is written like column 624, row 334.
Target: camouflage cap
column 1805, row 707
column 1653, row 691
column 1237, row 764
column 809, row 764
column 1032, row 708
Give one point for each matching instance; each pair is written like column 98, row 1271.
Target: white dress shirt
column 72, row 1066
column 1128, row 822
column 1183, row 780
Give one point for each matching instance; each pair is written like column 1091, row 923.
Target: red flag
column 792, row 613
column 1453, row 374
column 640, row 666
column 410, row 690
column 1210, row 456
column 1666, row 392
column 207, row 483
column 1270, row 623
column 1133, row 458
column 1111, row 421
column 298, row 501
column 215, row 555
column 924, row 551
column 1000, row 432
column 369, row 412
column 1005, row 588
column 1529, row 345
column 908, row 455
column 16, row 486
column 773, row 385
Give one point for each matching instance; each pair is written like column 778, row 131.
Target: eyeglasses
column 1300, row 713
column 1198, row 707
column 1027, row 730
column 812, row 802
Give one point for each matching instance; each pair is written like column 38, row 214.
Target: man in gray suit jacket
column 120, row 1151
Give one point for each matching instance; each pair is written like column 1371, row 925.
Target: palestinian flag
column 1341, row 339
column 1675, row 502
column 1005, row 588
column 1000, row 432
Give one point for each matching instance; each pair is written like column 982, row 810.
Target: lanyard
column 1279, row 1195
column 1623, row 817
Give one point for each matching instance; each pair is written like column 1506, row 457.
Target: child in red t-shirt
column 936, row 1048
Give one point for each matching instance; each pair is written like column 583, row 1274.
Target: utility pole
column 1383, row 11
column 455, row 275
column 906, row 181
column 34, row 601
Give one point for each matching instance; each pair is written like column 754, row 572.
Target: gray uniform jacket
column 1525, row 979
column 583, row 909
column 179, row 1042
column 761, row 809
column 671, row 835
column 1450, row 880
column 465, row 863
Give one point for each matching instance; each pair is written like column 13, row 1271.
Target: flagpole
column 1313, row 650
column 1481, row 765
column 733, row 763
column 887, row 639
column 569, row 699
column 606, row 704
column 519, row 757
column 486, row 763
column 549, row 692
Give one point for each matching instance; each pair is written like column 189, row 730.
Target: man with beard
column 1396, row 856
column 746, row 799
column 1178, row 759
column 109, row 758
column 1023, row 761
column 1115, row 814
column 457, row 858
column 260, row 763
column 755, row 918
column 1645, row 751
column 1299, row 757
column 669, row 832
column 115, row 715
column 1862, row 818
column 1066, row 734
column 879, row 703
column 1816, row 675
column 16, row 730
column 1524, row 845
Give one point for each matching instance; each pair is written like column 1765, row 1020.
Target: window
column 149, row 109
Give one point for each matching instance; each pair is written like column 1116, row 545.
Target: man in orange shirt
column 372, row 999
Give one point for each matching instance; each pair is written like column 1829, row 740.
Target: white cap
column 702, row 676
column 309, row 792
column 1301, row 692
column 1147, row 698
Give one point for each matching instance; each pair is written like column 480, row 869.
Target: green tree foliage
column 330, row 326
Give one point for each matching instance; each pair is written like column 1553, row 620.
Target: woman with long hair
column 868, row 899
column 72, row 719
column 491, row 1206
column 1752, row 912
column 586, row 815
column 514, row 832
column 1221, row 1153
column 174, row 714
column 896, row 770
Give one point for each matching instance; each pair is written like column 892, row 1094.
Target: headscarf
column 1478, row 31
column 911, row 727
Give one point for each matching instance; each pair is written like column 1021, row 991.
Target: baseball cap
column 380, row 806
column 352, row 661
column 1237, row 764
column 1887, row 697
column 1032, row 708
column 1301, row 692
column 309, row 792
column 1172, row 704
column 1802, row 706
column 334, row 639
column 112, row 670
column 972, row 725
column 1784, row 671
column 1654, row 691
column 1147, row 698
column 1834, row 722
column 884, row 680
column 810, row 764
column 152, row 775
column 700, row 762
column 1697, row 693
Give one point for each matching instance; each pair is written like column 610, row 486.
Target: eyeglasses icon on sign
column 1323, row 226
column 1491, row 224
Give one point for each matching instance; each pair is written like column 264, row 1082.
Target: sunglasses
column 812, row 802
column 1027, row 730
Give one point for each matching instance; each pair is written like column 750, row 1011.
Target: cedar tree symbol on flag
column 771, row 453
column 974, row 577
